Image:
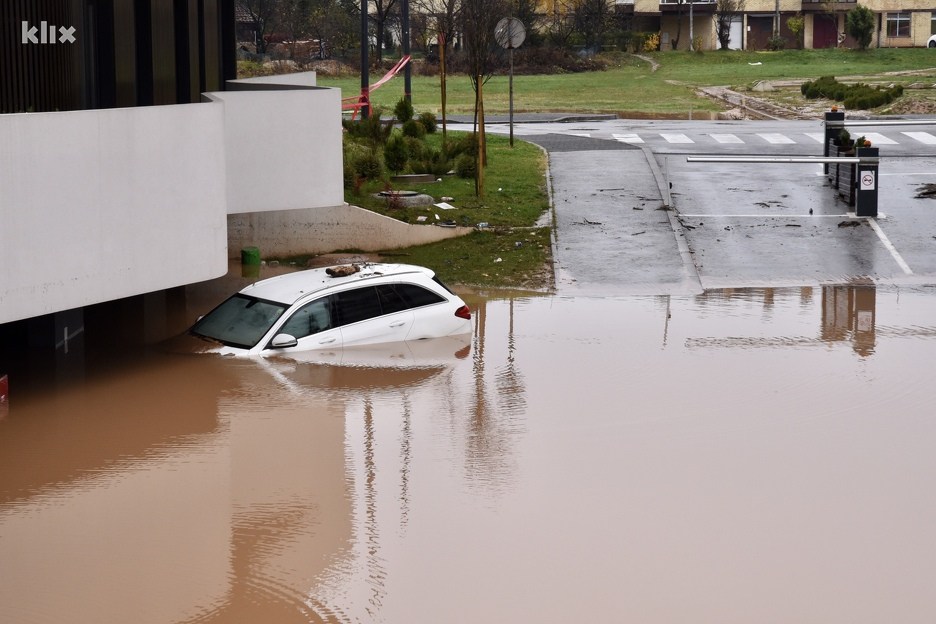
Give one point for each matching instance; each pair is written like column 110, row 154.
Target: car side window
column 357, row 305
column 311, row 318
column 391, row 300
column 417, row 296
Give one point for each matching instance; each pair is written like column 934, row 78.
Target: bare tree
column 333, row 23
column 445, row 18
column 592, row 21
column 560, row 22
column 726, row 12
column 263, row 15
column 382, row 15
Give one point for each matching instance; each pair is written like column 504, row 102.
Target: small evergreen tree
column 859, row 22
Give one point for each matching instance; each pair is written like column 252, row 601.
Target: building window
column 933, row 23
column 898, row 24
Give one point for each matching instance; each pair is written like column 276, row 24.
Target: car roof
column 291, row 287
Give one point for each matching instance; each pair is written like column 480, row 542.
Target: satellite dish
column 509, row 33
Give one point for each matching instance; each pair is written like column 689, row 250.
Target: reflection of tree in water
column 489, row 458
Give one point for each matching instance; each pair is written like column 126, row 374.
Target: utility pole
column 691, row 40
column 365, row 64
column 407, row 82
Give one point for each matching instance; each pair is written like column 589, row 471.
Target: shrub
column 413, row 128
column 403, row 110
column 652, row 42
column 466, row 166
column 859, row 22
column 395, row 152
column 857, row 96
column 776, row 43
column 428, row 120
column 368, row 165
column 371, row 129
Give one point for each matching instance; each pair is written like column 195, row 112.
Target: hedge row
column 855, row 96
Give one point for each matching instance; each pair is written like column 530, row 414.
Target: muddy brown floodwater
column 741, row 456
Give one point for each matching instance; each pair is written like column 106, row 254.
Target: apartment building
column 899, row 23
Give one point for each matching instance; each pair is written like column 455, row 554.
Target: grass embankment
column 630, row 88
column 509, row 251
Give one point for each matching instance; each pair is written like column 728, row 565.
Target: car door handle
column 327, row 341
column 398, row 324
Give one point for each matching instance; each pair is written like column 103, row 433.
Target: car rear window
column 399, row 297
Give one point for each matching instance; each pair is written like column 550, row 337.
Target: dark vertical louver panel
column 187, row 66
column 228, row 22
column 38, row 76
column 211, row 45
column 125, row 53
column 143, row 30
column 164, row 56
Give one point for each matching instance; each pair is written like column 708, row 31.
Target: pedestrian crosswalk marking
column 676, row 138
column 726, row 138
column 877, row 138
column 922, row 137
column 581, row 134
column 627, row 138
column 818, row 137
column 775, row 138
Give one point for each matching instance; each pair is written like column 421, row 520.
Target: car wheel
column 932, row 44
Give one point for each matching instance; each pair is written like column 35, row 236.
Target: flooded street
column 753, row 455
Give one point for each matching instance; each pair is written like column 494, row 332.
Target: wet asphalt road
column 633, row 216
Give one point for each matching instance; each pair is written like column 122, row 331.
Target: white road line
column 775, row 138
column 889, row 246
column 765, row 216
column 877, row 138
column 922, row 137
column 818, row 137
column 726, row 138
column 581, row 134
column 676, row 138
column 627, row 138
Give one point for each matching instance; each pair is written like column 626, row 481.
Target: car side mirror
column 283, row 341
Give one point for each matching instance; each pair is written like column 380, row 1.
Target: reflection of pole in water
column 849, row 311
column 666, row 321
column 375, row 573
column 406, row 442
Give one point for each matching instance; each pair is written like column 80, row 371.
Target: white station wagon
column 323, row 309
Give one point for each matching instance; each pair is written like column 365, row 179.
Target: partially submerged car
column 333, row 308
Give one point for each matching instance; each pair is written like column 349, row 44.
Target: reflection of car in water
column 331, row 309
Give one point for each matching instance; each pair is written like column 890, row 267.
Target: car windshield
column 240, row 321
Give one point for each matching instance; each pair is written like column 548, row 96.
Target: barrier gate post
column 866, row 182
column 834, row 122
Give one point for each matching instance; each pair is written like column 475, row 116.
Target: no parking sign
column 867, row 180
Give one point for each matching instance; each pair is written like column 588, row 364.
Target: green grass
column 519, row 258
column 514, row 189
column 629, row 88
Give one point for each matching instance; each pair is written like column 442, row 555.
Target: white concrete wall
column 283, row 148
column 327, row 229
column 104, row 204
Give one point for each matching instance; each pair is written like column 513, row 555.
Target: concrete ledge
column 327, row 229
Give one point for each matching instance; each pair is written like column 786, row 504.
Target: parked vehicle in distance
column 334, row 308
column 932, row 42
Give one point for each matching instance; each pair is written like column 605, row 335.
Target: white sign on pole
column 867, row 181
